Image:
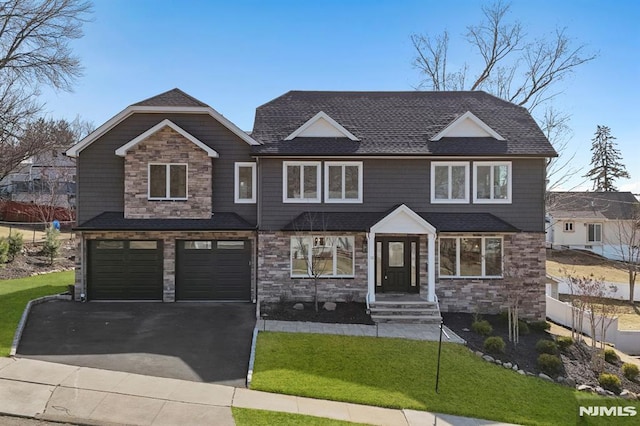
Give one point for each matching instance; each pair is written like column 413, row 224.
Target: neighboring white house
column 597, row 221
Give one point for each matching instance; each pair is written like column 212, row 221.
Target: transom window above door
column 301, row 181
column 449, row 182
column 167, row 182
column 343, row 182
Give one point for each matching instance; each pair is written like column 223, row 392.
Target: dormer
column 321, row 126
column 467, row 126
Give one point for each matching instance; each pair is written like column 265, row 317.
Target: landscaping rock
column 560, row 379
column 545, row 377
column 627, row 395
column 522, row 372
column 465, row 329
column 329, row 306
column 570, row 382
column 507, row 365
column 488, row 358
column 585, row 388
column 515, row 367
column 298, row 307
column 480, row 354
column 498, row 362
column 600, row 390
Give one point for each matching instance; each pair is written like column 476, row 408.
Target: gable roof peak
column 321, row 126
column 173, row 97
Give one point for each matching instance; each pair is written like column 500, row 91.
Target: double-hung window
column 167, row 182
column 594, row 233
column 322, row 256
column 245, row 183
column 301, row 182
column 471, row 257
column 449, row 182
column 343, row 182
column 492, row 182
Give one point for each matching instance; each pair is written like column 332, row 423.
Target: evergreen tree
column 605, row 161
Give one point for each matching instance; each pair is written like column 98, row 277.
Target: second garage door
column 213, row 270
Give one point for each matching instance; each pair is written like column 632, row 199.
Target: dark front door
column 397, row 265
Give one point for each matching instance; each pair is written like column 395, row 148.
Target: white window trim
column 301, row 164
column 328, row 164
column 308, row 241
column 482, row 256
column 236, row 191
column 491, row 200
column 449, row 164
column 595, row 242
column 168, row 182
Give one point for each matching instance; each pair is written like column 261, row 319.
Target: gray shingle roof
column 173, row 98
column 397, row 123
column 608, row 205
column 115, row 221
column 363, row 221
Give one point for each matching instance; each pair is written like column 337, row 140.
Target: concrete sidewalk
column 58, row 392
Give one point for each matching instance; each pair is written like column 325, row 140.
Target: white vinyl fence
column 622, row 293
column 624, row 340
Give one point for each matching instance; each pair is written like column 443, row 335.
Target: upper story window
column 568, row 227
column 449, row 182
column 594, row 233
column 167, row 182
column 492, row 182
column 245, row 183
column 343, row 182
column 300, row 183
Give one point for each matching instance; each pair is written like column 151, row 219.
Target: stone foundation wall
column 164, row 147
column 168, row 239
column 524, row 260
column 274, row 273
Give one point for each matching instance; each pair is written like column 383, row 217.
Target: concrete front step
column 405, row 312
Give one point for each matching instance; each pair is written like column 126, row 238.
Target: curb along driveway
column 203, row 342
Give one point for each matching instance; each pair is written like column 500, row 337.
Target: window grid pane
column 293, row 182
column 483, row 178
column 245, row 178
column 178, row 181
column 335, row 182
column 500, row 182
column 351, row 182
column 458, row 182
column 157, row 181
column 470, row 257
column 448, row 262
column 310, row 174
column 493, row 256
column 441, row 184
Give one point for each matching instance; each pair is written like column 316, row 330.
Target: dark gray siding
column 389, row 182
column 100, row 170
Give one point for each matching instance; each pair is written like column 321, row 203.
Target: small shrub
column 4, row 251
column 564, row 342
column 523, row 328
column 15, row 245
column 610, row 382
column 482, row 327
column 630, row 371
column 494, row 345
column 549, row 364
column 51, row 246
column 546, row 347
column 503, row 317
column 539, row 325
column 610, row 356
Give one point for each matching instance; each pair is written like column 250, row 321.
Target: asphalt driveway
column 204, row 342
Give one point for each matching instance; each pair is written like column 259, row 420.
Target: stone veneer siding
column 488, row 296
column 167, row 146
column 274, row 272
column 168, row 239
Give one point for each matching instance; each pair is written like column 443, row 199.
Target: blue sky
column 237, row 55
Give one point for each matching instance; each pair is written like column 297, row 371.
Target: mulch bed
column 524, row 353
column 345, row 313
column 32, row 262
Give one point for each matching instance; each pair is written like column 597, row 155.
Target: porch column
column 431, row 267
column 371, row 264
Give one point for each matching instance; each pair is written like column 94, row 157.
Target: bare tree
column 34, row 51
column 512, row 66
column 626, row 243
column 517, row 290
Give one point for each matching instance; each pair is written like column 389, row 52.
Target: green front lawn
column 398, row 373
column 250, row 417
column 14, row 295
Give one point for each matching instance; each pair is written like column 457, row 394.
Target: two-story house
column 435, row 194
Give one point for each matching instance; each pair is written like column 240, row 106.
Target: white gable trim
column 458, row 122
column 403, row 220
column 130, row 110
column 321, row 116
column 122, row 151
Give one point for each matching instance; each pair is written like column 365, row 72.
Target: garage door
column 125, row 270
column 213, row 270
